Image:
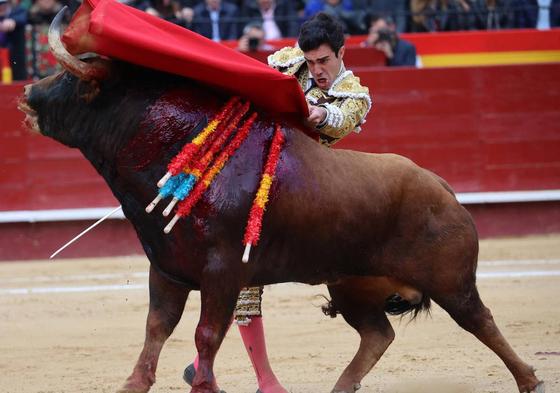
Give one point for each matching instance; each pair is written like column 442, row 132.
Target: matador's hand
column 316, row 116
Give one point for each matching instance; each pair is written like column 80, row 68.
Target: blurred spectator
column 492, row 14
column 423, row 15
column 187, row 12
column 555, row 13
column 465, row 18
column 170, row 10
column 253, row 39
column 353, row 21
column 450, row 15
column 42, row 12
column 396, row 9
column 383, row 36
column 454, row 15
column 543, row 18
column 40, row 60
column 216, row 20
column 12, row 36
column 278, row 17
column 525, row 14
column 141, row 5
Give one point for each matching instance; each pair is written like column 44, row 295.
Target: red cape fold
column 115, row 30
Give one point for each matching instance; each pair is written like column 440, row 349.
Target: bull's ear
column 88, row 90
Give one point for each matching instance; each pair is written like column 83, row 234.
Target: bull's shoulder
column 287, row 60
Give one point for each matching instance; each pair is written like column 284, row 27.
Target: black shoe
column 188, row 375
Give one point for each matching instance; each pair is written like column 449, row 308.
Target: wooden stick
column 106, row 216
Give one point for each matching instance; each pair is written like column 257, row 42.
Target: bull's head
column 47, row 102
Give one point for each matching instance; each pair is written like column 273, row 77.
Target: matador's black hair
column 321, row 29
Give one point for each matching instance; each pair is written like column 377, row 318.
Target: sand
column 86, row 337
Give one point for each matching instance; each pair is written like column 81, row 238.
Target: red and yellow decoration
column 194, row 168
column 201, row 164
column 188, row 152
column 208, row 150
column 185, row 207
column 254, row 225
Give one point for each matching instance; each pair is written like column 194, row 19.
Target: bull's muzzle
column 30, row 120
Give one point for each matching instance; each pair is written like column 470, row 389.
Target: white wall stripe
column 77, row 277
column 520, row 274
column 508, row 196
column 89, row 288
column 465, row 198
column 517, row 262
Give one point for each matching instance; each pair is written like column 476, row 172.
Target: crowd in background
column 24, row 23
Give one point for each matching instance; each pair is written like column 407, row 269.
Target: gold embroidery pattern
column 248, row 305
column 350, row 84
column 288, row 60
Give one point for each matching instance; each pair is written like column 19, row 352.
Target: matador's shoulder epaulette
column 287, row 60
column 347, row 85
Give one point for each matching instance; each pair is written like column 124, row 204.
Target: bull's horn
column 81, row 69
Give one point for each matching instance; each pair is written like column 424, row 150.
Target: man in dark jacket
column 525, row 14
column 216, row 19
column 555, row 13
column 383, row 36
column 12, row 36
column 278, row 18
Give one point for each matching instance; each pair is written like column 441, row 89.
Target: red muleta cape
column 115, row 30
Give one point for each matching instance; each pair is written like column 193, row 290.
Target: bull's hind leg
column 363, row 308
column 167, row 302
column 470, row 313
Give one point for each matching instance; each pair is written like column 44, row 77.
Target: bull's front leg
column 167, row 302
column 218, row 295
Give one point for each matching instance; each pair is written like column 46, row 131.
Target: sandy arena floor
column 78, row 326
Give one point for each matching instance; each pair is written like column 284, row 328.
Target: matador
column 338, row 105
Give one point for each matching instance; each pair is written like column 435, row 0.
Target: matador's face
column 324, row 65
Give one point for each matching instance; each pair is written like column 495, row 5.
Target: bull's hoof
column 188, row 376
column 539, row 388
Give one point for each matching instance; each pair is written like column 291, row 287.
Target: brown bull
column 367, row 225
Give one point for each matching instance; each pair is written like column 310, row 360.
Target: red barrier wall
column 482, row 129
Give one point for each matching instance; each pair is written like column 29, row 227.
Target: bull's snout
column 27, row 90
column 30, row 115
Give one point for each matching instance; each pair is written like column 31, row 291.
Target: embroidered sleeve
column 344, row 115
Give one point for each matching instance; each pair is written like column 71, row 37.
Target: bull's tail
column 395, row 305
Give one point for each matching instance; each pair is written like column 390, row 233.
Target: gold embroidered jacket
column 347, row 102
